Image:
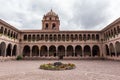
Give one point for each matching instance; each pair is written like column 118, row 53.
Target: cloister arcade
column 61, row 50
column 113, row 49
column 8, row 49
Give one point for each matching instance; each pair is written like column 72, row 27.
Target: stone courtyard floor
column 85, row 70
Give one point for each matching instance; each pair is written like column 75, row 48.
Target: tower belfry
column 50, row 21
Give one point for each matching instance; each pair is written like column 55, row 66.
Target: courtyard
column 85, row 70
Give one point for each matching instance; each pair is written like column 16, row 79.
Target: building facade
column 50, row 42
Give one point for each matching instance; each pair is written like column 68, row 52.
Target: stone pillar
column 91, row 52
column 115, row 52
column 65, row 53
column 5, row 53
column 56, row 52
column 74, row 53
column 109, row 51
column 39, row 53
column 82, row 52
column 48, row 53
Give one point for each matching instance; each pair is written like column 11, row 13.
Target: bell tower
column 50, row 22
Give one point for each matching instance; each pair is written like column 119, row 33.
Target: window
column 46, row 26
column 53, row 26
column 50, row 18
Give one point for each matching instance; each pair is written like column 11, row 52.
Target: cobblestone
column 85, row 70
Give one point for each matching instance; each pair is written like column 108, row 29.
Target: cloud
column 89, row 14
column 74, row 14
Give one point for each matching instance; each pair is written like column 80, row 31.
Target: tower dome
column 51, row 13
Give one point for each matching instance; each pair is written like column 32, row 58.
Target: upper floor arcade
column 8, row 32
column 62, row 36
column 112, row 31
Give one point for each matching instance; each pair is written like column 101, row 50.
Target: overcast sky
column 73, row 14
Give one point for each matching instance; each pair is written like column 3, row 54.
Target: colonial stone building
column 50, row 42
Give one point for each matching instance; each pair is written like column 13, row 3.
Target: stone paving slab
column 85, row 70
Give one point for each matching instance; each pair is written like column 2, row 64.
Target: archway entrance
column 112, row 50
column 2, row 48
column 87, row 51
column 9, row 49
column 117, row 46
column 78, row 50
column 44, row 51
column 35, row 51
column 52, row 51
column 14, row 50
column 26, row 51
column 70, row 51
column 61, row 51
column 107, row 50
column 95, row 50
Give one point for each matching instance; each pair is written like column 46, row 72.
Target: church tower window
column 53, row 26
column 46, row 26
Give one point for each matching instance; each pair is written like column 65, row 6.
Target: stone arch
column 16, row 36
column 107, row 50
column 44, row 51
column 46, row 37
column 55, row 37
column 42, row 37
column 25, row 37
column 76, row 37
column 2, row 49
column 84, row 37
column 61, row 50
column 26, row 50
column 93, row 36
column 117, row 46
column 80, row 37
column 97, row 37
column 9, row 49
column 111, row 33
column 9, row 33
column 88, row 37
column 14, row 52
column 59, row 37
column 115, row 32
column 71, row 37
column 35, row 50
column 52, row 51
column 5, row 31
column 29, row 37
column 50, row 37
column 112, row 49
column 38, row 37
column 67, row 37
column 78, row 50
column 33, row 37
column 70, row 51
column 87, row 50
column 95, row 50
column 1, row 30
column 63, row 37
column 118, row 29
